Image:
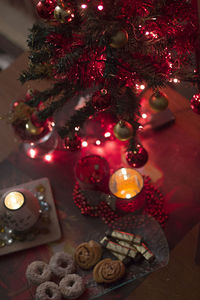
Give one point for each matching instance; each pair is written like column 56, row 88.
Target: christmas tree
column 112, row 48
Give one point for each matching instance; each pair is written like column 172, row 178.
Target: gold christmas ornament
column 123, row 131
column 158, row 101
column 120, row 39
column 62, row 15
column 32, row 129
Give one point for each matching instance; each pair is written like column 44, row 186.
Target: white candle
column 19, row 209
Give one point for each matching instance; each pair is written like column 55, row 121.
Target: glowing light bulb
column 142, row 87
column 98, row 142
column 100, row 7
column 175, row 80
column 53, row 124
column 32, row 153
column 16, row 104
column 77, row 128
column 144, row 116
column 107, row 134
column 48, row 157
column 84, row 144
column 84, row 6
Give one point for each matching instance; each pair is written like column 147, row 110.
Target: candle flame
column 14, row 200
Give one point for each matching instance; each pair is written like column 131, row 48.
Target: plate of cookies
column 134, row 247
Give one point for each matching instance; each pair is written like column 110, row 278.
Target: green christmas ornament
column 123, row 131
column 158, row 101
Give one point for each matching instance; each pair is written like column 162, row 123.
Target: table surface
column 173, row 166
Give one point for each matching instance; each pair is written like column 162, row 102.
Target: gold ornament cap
column 123, row 131
column 32, row 129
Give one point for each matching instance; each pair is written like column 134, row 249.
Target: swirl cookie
column 72, row 286
column 88, row 254
column 62, row 264
column 108, row 271
column 38, row 272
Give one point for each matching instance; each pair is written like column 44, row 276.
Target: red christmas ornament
column 72, row 143
column 138, row 157
column 29, row 94
column 45, row 8
column 195, row 103
column 36, row 121
column 101, row 100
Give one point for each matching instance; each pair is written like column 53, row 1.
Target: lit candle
column 14, row 200
column 126, row 184
column 19, row 209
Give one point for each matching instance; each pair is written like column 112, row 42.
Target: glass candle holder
column 19, row 209
column 126, row 184
column 92, row 173
column 45, row 145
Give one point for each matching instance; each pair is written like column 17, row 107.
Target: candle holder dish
column 14, row 235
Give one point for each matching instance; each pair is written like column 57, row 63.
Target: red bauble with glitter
column 92, row 172
column 72, row 143
column 195, row 103
column 45, row 8
column 101, row 100
column 36, row 121
column 138, row 157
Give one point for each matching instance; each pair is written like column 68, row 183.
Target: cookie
column 72, row 286
column 48, row 291
column 88, row 254
column 38, row 272
column 61, row 264
column 108, row 271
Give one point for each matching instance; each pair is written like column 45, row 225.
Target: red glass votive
column 92, row 173
column 126, row 184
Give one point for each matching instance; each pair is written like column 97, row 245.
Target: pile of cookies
column 126, row 247
column 87, row 255
column 57, row 280
column 61, row 269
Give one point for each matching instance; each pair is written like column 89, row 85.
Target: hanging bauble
column 35, row 120
column 158, row 101
column 119, row 40
column 195, row 103
column 123, row 131
column 72, row 143
column 32, row 129
column 138, row 157
column 45, row 8
column 101, row 100
column 63, row 15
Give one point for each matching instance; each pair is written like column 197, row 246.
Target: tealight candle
column 19, row 209
column 14, row 200
column 126, row 184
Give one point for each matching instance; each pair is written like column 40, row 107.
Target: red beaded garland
column 154, row 205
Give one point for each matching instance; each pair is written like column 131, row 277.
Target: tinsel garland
column 154, row 205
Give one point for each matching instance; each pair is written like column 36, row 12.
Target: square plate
column 53, row 233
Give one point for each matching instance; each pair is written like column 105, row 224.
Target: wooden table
column 173, row 165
